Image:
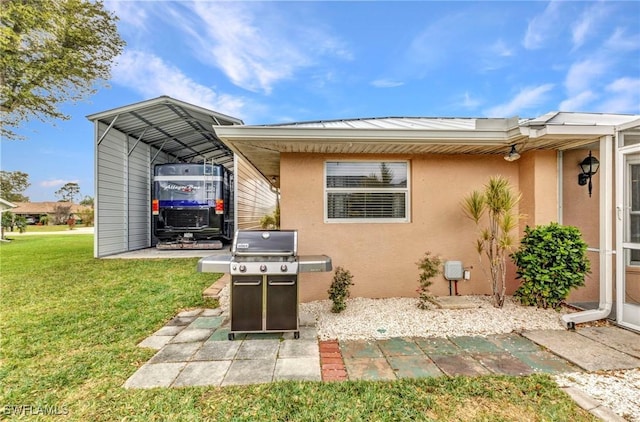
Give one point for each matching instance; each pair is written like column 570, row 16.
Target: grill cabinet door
column 282, row 302
column 246, row 303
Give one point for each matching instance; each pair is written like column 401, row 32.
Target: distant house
column 33, row 211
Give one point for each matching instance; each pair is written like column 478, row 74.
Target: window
column 371, row 191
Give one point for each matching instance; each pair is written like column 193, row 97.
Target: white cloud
column 621, row 41
column 581, row 75
column 470, row 103
column 386, row 83
column 578, row 102
column 500, row 48
column 527, row 98
column 623, row 96
column 131, row 13
column 541, row 27
column 255, row 47
column 151, row 76
column 56, row 182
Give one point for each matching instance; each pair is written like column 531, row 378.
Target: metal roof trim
column 162, row 100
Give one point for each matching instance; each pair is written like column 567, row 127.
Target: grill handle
column 247, row 283
column 285, row 253
column 281, row 283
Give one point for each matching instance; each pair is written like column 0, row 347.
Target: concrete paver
column 545, row 362
column 414, row 367
column 217, row 350
column 175, row 352
column 250, row 371
column 438, row 346
column 620, row 339
column 475, row 344
column 298, row 368
column 360, row 349
column 261, row 349
column 503, row 363
column 372, row 369
column 202, row 373
column 584, row 352
column 462, row 364
column 152, row 375
column 399, row 347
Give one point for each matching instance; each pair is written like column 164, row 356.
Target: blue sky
column 273, row 62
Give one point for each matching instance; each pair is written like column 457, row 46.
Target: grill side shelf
column 314, row 263
column 214, row 264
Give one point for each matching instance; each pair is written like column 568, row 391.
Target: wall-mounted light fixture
column 589, row 167
column 512, row 155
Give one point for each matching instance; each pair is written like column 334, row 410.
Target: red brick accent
column 332, row 364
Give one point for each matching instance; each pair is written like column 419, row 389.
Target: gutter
column 606, row 241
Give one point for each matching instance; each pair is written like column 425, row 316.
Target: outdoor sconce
column 589, row 167
column 512, row 155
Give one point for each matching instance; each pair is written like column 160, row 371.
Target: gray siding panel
column 139, row 199
column 110, row 186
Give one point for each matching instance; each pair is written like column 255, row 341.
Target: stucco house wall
column 382, row 256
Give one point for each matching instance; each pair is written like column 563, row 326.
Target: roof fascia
column 162, row 100
column 291, row 134
column 567, row 130
column 629, row 125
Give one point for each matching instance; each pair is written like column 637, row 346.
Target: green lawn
column 69, row 325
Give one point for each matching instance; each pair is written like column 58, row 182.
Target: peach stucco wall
column 583, row 212
column 382, row 256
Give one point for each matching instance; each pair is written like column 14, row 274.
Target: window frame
column 630, row 164
column 406, row 190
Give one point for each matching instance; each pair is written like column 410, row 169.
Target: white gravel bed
column 400, row 317
column 618, row 390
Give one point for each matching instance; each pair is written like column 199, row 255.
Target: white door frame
column 627, row 314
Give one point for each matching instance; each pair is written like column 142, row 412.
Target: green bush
column 339, row 290
column 430, row 266
column 551, row 261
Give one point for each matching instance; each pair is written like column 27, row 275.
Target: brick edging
column 331, row 362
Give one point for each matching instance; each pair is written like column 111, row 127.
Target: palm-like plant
column 499, row 203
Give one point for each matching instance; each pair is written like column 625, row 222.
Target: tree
column 12, row 184
column 52, row 52
column 61, row 213
column 87, row 201
column 68, row 192
column 495, row 241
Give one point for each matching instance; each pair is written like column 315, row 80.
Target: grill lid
column 265, row 242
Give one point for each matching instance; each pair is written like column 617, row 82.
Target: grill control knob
column 263, row 268
column 242, row 268
column 283, row 268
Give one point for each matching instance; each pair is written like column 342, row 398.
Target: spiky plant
column 496, row 207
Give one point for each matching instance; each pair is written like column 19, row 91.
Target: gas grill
column 264, row 267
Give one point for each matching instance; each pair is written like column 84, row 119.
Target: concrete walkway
column 193, row 349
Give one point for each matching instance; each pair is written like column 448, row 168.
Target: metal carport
column 129, row 141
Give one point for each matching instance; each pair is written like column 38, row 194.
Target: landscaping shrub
column 430, row 266
column 551, row 260
column 339, row 290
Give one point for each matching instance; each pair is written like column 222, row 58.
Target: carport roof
column 181, row 130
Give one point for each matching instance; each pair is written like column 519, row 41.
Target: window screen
column 367, row 190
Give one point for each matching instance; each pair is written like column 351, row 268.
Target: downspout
column 605, row 241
